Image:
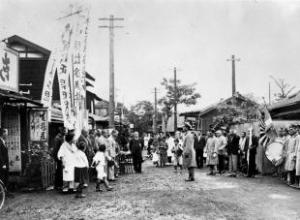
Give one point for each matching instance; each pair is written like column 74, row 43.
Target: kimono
column 290, row 154
column 67, row 153
column 189, row 154
column 100, row 160
column 177, row 154
column 211, row 151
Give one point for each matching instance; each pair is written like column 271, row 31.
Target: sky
column 195, row 36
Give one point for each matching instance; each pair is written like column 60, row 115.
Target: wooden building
column 287, row 109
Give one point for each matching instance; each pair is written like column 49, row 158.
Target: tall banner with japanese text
column 69, row 63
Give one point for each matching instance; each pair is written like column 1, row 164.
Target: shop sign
column 9, row 69
column 39, row 125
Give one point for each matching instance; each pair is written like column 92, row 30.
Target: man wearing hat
column 189, row 154
column 221, row 143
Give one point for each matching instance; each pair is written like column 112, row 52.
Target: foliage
column 184, row 94
column 141, row 115
column 285, row 89
column 239, row 109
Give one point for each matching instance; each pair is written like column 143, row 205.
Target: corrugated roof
column 291, row 100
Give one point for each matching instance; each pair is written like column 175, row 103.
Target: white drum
column 274, row 152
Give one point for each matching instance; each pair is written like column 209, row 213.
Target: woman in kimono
column 67, row 154
column 212, row 153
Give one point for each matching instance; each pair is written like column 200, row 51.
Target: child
column 177, row 155
column 81, row 170
column 162, row 152
column 100, row 162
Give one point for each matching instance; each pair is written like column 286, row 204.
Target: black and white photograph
column 149, row 109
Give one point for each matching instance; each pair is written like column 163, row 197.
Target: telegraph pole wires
column 111, row 28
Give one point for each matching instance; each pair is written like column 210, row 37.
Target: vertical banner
column 78, row 54
column 63, row 73
column 48, row 80
column 69, row 63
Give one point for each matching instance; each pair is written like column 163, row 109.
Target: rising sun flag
column 267, row 131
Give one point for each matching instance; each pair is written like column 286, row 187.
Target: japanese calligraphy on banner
column 69, row 63
column 9, row 69
column 48, row 81
column 64, row 73
column 39, row 125
column 78, row 62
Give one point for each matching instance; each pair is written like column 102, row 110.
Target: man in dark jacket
column 58, row 141
column 136, row 148
column 84, row 140
column 252, row 144
column 199, row 145
column 4, row 162
column 233, row 150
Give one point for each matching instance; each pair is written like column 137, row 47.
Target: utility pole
column 155, row 112
column 233, row 59
column 111, row 28
column 175, row 100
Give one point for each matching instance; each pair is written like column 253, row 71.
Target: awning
column 13, row 97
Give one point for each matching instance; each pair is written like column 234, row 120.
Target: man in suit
column 252, row 144
column 233, row 150
column 199, row 145
column 4, row 162
column 136, row 148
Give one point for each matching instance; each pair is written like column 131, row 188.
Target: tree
column 184, row 94
column 141, row 116
column 285, row 89
column 239, row 109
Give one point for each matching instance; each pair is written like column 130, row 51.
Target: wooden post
column 111, row 28
column 175, row 100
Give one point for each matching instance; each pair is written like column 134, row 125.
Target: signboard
column 9, row 69
column 11, row 121
column 39, row 125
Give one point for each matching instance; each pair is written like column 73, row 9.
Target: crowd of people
column 218, row 150
column 93, row 155
column 225, row 152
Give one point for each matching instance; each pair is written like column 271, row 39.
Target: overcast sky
column 195, row 36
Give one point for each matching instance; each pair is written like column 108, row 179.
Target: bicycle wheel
column 2, row 195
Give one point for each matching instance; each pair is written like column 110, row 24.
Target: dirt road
column 161, row 194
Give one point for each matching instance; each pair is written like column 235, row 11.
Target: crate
column 48, row 173
column 126, row 164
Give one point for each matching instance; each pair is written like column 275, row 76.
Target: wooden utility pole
column 155, row 112
column 111, row 28
column 233, row 59
column 175, row 100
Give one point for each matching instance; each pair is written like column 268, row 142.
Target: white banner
column 9, row 69
column 48, row 80
column 63, row 73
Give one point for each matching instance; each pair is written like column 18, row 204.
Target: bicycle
column 2, row 193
